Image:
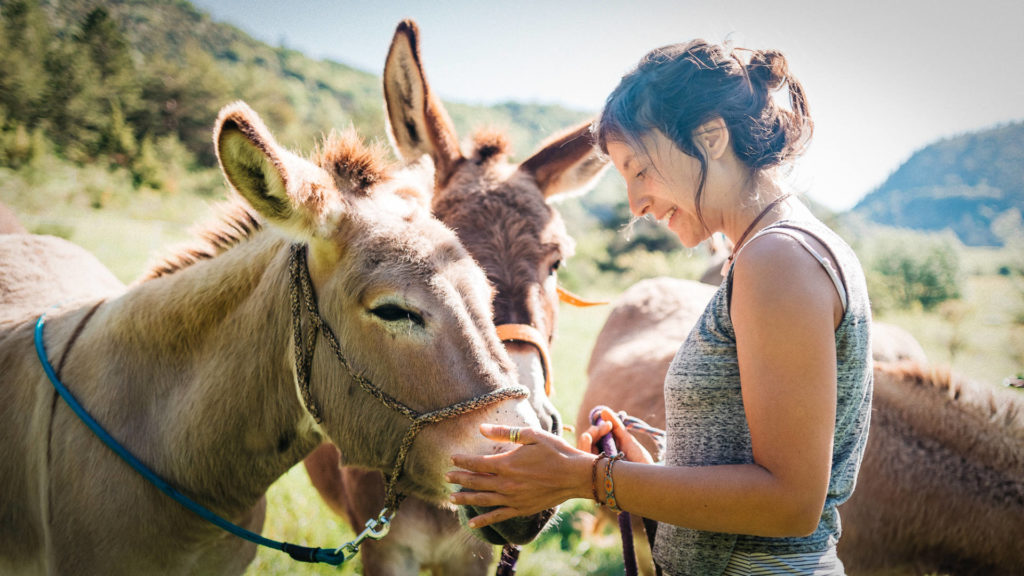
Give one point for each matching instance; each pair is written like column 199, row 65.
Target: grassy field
column 981, row 336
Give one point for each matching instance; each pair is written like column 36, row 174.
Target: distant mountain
column 963, row 183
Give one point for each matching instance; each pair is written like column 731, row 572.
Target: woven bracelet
column 609, row 484
column 593, row 475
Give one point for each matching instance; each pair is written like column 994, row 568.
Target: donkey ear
column 274, row 181
column 417, row 120
column 251, row 160
column 567, row 162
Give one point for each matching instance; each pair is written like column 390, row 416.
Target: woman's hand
column 540, row 473
column 631, row 449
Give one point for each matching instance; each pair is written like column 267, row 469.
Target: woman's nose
column 637, row 204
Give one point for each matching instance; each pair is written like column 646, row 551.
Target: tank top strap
column 790, row 230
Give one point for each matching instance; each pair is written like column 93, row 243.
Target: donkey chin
column 521, row 529
column 518, row 530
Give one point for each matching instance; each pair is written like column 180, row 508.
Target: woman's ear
column 713, row 138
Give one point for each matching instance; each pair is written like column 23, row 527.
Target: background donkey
column 9, row 223
column 193, row 368
column 941, row 488
column 502, row 214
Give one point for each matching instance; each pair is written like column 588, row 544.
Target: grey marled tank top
column 707, row 425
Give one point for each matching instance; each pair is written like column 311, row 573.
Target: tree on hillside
column 25, row 37
column 183, row 98
column 906, row 270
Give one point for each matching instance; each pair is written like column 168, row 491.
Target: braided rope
column 301, row 292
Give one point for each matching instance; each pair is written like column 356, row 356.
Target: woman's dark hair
column 676, row 89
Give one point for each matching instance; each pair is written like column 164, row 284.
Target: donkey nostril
column 556, row 423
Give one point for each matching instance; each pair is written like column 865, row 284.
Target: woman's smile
column 667, row 218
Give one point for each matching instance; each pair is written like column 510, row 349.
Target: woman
column 767, row 402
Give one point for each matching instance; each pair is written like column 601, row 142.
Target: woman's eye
column 555, row 266
column 393, row 313
column 641, row 174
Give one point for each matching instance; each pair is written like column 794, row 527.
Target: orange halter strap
column 574, row 300
column 530, row 335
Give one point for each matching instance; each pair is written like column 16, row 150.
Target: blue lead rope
column 334, row 557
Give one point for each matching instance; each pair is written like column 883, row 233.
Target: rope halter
column 301, row 292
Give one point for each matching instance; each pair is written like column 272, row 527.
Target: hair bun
column 768, row 68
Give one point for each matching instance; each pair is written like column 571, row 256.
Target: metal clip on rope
column 376, row 528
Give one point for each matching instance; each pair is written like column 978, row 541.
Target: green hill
column 965, row 184
column 107, row 108
column 100, row 78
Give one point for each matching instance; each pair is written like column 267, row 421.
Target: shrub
column 906, row 269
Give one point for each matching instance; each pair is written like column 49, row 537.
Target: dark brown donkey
column 502, row 215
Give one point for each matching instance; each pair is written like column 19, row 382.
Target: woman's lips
column 667, row 218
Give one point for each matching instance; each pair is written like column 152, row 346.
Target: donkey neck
column 204, row 378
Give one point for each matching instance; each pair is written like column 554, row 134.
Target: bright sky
column 884, row 77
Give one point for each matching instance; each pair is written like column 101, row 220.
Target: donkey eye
column 393, row 313
column 555, row 266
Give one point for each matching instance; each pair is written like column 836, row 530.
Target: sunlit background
column 884, row 77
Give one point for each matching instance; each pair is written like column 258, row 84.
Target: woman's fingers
column 610, row 423
column 492, row 517
column 481, row 464
column 586, row 442
column 477, row 499
column 593, row 432
column 514, row 434
column 542, row 471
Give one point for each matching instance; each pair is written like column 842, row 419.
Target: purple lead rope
column 510, row 553
column 507, row 564
column 607, row 445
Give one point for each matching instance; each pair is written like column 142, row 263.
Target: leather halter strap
column 529, row 335
column 574, row 300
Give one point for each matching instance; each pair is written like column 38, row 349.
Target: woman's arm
column 784, row 310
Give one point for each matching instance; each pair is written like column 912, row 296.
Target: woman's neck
column 746, row 205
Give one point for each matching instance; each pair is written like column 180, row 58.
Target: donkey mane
column 234, row 222
column 488, row 144
column 986, row 401
column 350, row 163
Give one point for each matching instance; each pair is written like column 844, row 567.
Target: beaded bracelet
column 609, row 484
column 593, row 475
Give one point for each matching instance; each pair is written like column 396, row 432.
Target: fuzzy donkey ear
column 417, row 120
column 251, row 161
column 275, row 182
column 567, row 163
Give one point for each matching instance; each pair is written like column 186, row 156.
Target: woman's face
column 661, row 181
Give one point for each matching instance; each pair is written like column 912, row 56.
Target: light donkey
column 200, row 371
